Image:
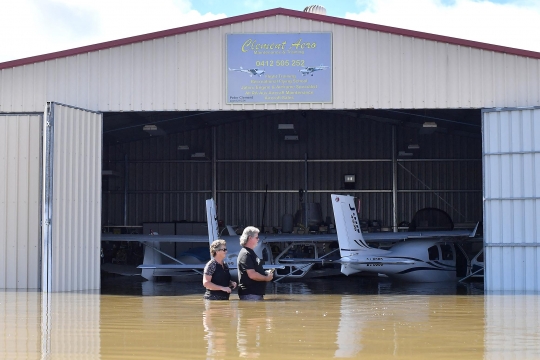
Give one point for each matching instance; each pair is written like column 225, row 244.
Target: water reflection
column 220, row 326
column 341, row 318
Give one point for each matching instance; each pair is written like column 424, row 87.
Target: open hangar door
column 165, row 164
column 71, row 199
column 511, row 198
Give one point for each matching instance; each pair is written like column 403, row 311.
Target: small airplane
column 153, row 265
column 310, row 70
column 251, row 72
column 424, row 257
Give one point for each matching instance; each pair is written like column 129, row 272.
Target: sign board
column 279, row 68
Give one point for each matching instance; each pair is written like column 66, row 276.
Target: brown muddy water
column 336, row 317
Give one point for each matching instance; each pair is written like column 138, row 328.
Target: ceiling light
column 198, row 155
column 413, row 146
column 430, row 124
column 183, row 147
column 291, row 137
column 153, row 130
column 404, row 153
column 285, row 126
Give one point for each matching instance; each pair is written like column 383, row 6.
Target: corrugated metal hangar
column 252, row 109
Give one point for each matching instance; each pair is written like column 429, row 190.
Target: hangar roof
column 263, row 14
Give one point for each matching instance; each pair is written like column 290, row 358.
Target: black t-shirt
column 220, row 276
column 247, row 259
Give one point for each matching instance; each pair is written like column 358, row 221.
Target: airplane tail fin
column 211, row 219
column 348, row 228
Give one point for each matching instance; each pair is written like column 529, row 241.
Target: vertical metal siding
column 186, row 72
column 511, row 199
column 20, row 139
column 77, row 199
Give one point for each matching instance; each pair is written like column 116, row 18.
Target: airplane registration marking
column 374, row 259
column 354, row 218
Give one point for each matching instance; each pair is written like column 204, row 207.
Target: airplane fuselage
column 412, row 261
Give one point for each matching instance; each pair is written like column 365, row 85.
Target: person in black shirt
column 251, row 276
column 216, row 276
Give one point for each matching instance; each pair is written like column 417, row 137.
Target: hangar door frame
column 71, row 198
column 511, row 183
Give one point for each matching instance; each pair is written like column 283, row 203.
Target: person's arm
column 207, row 283
column 253, row 275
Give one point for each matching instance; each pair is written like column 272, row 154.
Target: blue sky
column 35, row 27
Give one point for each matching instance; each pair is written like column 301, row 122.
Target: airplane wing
column 370, row 237
column 194, row 266
column 379, row 260
column 398, row 236
column 289, row 238
column 277, row 238
column 155, row 238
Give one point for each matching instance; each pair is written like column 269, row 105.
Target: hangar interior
column 160, row 166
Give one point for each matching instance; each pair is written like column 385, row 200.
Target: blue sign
column 279, row 68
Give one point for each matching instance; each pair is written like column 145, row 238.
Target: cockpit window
column 433, row 253
column 446, row 252
column 265, row 255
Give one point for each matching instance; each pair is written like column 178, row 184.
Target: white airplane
column 424, row 257
column 153, row 265
column 418, row 256
column 310, row 69
column 251, row 72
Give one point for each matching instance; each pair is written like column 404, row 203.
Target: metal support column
column 214, row 165
column 394, row 180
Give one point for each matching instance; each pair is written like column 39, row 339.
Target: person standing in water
column 251, row 276
column 216, row 275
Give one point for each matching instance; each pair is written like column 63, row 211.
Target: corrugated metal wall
column 20, row 140
column 371, row 70
column 252, row 157
column 76, row 202
column 511, row 199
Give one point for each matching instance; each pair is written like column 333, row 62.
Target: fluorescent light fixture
column 404, row 153
column 153, row 130
column 285, row 126
column 183, row 147
column 291, row 137
column 149, row 128
column 350, row 178
column 430, row 124
column 413, row 146
column 110, row 173
column 198, row 155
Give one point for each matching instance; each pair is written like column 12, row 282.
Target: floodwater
column 318, row 319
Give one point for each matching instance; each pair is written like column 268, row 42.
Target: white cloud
column 34, row 27
column 514, row 25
